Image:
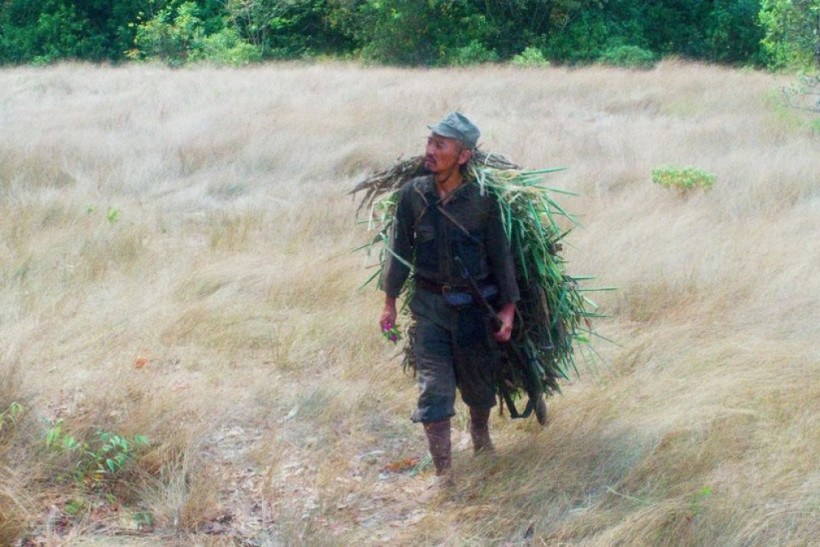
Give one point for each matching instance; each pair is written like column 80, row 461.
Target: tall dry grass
column 175, row 250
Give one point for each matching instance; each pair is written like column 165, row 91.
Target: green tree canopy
column 792, row 33
column 411, row 32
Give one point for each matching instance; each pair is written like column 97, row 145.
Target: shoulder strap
column 458, row 225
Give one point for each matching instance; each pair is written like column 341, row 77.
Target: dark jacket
column 429, row 235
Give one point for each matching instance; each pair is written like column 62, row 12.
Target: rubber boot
column 480, row 430
column 438, row 440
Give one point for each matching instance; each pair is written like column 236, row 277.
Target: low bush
column 227, row 47
column 473, row 53
column 628, row 57
column 683, row 179
column 530, row 57
column 104, row 457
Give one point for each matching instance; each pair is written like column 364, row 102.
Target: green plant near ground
column 530, row 57
column 113, row 215
column 683, row 179
column 105, row 456
column 697, row 502
column 628, row 57
column 9, row 416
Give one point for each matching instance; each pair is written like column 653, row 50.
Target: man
column 448, row 236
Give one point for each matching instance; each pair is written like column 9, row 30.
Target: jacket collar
column 427, row 187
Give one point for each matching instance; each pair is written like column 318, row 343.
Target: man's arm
column 400, row 248
column 499, row 256
column 396, row 270
column 500, row 259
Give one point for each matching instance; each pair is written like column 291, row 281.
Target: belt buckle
column 446, row 289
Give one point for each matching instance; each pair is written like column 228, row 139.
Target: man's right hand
column 388, row 318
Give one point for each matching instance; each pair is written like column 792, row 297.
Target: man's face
column 442, row 154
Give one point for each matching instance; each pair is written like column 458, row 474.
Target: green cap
column 456, row 125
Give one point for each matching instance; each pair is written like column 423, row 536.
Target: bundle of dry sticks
column 553, row 314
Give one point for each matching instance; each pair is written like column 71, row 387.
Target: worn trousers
column 453, row 348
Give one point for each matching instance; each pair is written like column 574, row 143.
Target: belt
column 456, row 295
column 439, row 288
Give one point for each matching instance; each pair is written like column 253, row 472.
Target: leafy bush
column 473, row 53
column 732, row 33
column 530, row 57
column 683, row 179
column 172, row 36
column 628, row 57
column 419, row 32
column 227, row 47
column 581, row 39
column 106, row 456
column 180, row 36
column 44, row 37
column 792, row 37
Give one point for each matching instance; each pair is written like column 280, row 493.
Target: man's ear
column 464, row 156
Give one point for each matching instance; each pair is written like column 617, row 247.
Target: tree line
column 761, row 33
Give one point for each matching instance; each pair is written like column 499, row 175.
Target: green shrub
column 105, row 456
column 227, row 47
column 683, row 179
column 172, row 36
column 180, row 36
column 628, row 57
column 530, row 57
column 792, row 38
column 581, row 40
column 473, row 53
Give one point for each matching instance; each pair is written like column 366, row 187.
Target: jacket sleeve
column 499, row 256
column 402, row 242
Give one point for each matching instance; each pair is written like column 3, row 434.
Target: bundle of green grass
column 554, row 315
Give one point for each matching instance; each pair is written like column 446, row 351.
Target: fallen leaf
column 401, row 465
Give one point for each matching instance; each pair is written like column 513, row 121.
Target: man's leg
column 476, row 357
column 438, row 440
column 432, row 348
column 480, row 430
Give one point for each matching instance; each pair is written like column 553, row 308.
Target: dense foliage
column 413, row 32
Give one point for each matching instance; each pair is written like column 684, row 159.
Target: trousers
column 453, row 349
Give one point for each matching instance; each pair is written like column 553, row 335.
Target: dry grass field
column 175, row 262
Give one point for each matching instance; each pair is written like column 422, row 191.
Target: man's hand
column 388, row 318
column 506, row 316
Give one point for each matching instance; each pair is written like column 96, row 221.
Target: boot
column 438, row 439
column 480, row 430
column 541, row 409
